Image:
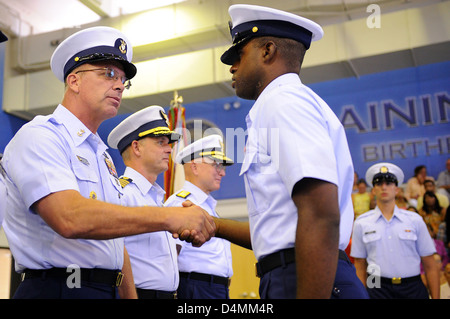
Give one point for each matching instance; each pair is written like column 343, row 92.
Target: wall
column 8, row 124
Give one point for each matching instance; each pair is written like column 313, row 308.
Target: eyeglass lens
column 110, row 73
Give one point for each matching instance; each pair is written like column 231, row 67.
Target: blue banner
column 399, row 116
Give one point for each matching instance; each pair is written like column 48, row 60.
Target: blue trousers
column 409, row 290
column 281, row 283
column 56, row 288
column 197, row 289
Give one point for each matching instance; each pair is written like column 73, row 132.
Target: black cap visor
column 128, row 67
column 384, row 177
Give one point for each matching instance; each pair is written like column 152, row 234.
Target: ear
column 136, row 148
column 269, row 51
column 194, row 168
column 72, row 82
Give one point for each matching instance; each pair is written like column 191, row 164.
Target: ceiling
column 39, row 16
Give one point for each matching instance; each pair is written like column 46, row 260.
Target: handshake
column 192, row 224
column 197, row 226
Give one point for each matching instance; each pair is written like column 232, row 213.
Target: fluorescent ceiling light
column 133, row 6
column 58, row 14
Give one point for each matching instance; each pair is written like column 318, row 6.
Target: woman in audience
column 432, row 213
column 415, row 187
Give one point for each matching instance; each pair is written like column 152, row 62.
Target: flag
column 174, row 176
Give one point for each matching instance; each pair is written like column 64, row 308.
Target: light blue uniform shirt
column 395, row 245
column 2, row 196
column 153, row 256
column 292, row 134
column 214, row 256
column 47, row 155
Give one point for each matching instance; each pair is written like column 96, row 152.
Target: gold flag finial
column 177, row 100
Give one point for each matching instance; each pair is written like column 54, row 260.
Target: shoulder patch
column 183, row 194
column 124, row 181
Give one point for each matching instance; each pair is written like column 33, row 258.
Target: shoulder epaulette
column 124, row 181
column 183, row 194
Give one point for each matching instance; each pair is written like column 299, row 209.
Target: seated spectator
column 412, row 209
column 431, row 187
column 361, row 199
column 442, row 252
column 443, row 181
column 442, row 279
column 445, row 287
column 441, row 256
column 400, row 199
column 355, row 183
column 432, row 213
column 447, row 230
column 414, row 187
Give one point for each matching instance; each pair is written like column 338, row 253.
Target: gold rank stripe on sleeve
column 124, row 181
column 183, row 194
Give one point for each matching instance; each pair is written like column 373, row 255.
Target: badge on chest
column 111, row 168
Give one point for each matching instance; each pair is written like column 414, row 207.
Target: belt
column 155, row 294
column 281, row 258
column 208, row 278
column 97, row 275
column 399, row 280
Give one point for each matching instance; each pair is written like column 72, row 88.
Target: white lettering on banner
column 425, row 114
column 404, row 149
column 388, row 111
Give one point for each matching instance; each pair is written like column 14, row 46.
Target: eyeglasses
column 218, row 166
column 110, row 74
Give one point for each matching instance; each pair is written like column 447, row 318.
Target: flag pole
column 174, row 176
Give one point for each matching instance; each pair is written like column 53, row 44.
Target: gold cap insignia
column 123, row 46
column 165, row 118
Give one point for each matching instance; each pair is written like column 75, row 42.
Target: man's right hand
column 193, row 224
